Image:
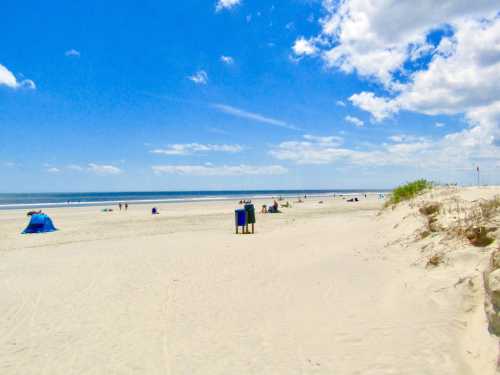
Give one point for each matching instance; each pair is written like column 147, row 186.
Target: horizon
column 242, row 95
column 195, row 191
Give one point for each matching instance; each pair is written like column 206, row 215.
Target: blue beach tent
column 39, row 223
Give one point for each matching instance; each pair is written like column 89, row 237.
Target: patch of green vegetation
column 408, row 191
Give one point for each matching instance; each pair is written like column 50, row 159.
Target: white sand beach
column 332, row 288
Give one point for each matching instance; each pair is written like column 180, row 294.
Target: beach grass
column 408, row 191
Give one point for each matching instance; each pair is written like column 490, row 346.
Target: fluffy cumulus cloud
column 380, row 108
column 434, row 58
column 7, row 78
column 224, row 170
column 200, row 77
column 303, row 47
column 226, row 4
column 191, row 148
column 375, row 38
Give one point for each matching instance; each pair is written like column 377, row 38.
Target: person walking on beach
column 126, row 206
column 120, row 206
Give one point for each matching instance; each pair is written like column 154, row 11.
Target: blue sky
column 245, row 94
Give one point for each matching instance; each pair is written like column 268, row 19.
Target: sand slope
column 319, row 289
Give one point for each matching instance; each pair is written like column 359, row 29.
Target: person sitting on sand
column 154, row 211
column 263, row 209
column 286, row 205
column 274, row 208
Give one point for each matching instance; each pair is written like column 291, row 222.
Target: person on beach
column 126, row 206
column 264, row 209
column 120, row 206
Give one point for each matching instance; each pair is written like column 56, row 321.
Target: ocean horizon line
column 78, row 199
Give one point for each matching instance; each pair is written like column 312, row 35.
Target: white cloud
column 380, row 108
column 304, row 47
column 7, row 78
column 228, row 60
column 200, row 77
column 237, row 112
column 102, row 169
column 225, row 170
column 355, row 121
column 462, row 80
column 375, row 38
column 191, row 148
column 456, row 150
column 226, row 4
column 340, row 103
column 311, row 150
column 304, row 153
column 72, row 53
column 382, row 41
column 439, row 125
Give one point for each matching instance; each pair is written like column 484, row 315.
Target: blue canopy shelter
column 39, row 223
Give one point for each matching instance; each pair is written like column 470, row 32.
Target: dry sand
column 333, row 288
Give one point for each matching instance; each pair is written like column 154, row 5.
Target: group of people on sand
column 272, row 209
column 123, row 205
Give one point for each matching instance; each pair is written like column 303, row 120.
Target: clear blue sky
column 161, row 95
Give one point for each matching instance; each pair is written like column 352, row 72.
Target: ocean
column 35, row 200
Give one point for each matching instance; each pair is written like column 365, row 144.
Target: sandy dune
column 333, row 288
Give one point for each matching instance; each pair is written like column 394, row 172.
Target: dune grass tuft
column 408, row 191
